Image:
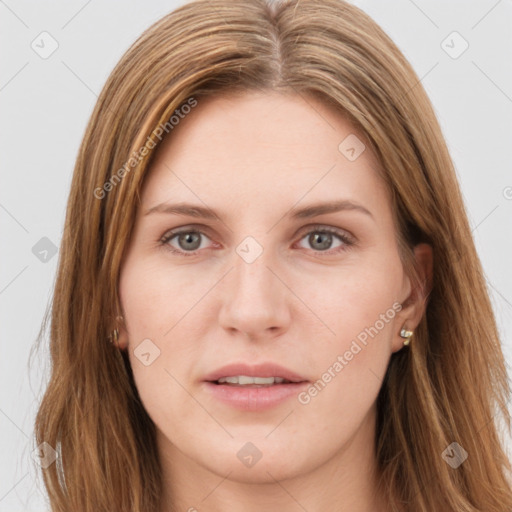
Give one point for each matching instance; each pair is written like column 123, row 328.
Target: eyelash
column 347, row 241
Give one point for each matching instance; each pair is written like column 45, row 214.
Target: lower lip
column 254, row 399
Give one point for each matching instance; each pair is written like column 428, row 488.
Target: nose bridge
column 255, row 298
column 251, row 275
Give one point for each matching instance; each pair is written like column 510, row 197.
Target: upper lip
column 257, row 370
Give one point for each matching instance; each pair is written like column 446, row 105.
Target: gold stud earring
column 114, row 337
column 404, row 333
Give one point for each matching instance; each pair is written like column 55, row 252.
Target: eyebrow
column 306, row 212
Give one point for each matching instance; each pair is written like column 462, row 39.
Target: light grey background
column 45, row 104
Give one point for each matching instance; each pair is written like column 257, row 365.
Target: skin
column 252, row 158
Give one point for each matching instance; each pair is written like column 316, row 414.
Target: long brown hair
column 449, row 386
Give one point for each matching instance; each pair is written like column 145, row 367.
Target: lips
column 258, row 370
column 254, row 398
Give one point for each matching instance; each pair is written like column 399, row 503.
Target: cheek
column 158, row 308
column 348, row 380
column 149, row 296
column 348, row 300
column 359, row 307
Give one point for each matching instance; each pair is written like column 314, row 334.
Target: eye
column 321, row 238
column 188, row 241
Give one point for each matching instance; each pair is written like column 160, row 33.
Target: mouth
column 254, row 388
column 246, row 381
column 263, row 374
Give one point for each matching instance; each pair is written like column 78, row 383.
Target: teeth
column 243, row 380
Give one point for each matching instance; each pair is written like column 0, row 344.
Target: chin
column 263, row 471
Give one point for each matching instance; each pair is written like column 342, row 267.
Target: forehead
column 260, row 149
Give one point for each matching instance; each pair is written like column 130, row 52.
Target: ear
column 415, row 305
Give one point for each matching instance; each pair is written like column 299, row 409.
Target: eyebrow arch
column 312, row 210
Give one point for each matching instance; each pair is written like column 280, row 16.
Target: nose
column 255, row 300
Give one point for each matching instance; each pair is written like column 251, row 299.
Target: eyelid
column 326, row 227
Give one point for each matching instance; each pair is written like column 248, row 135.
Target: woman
column 265, row 223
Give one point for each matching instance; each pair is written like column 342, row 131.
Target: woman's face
column 260, row 282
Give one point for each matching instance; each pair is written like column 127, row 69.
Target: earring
column 114, row 337
column 404, row 333
column 115, row 333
